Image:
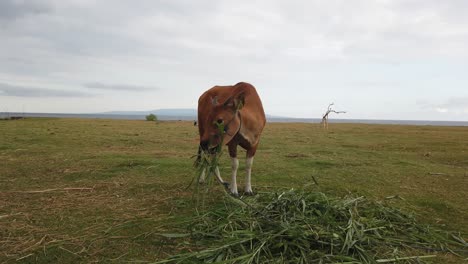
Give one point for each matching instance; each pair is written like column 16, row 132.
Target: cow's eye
column 219, row 121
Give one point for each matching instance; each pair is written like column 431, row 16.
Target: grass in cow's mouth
column 206, row 163
column 310, row 227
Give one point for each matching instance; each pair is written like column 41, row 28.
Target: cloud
column 453, row 105
column 13, row 9
column 22, row 91
column 259, row 32
column 117, row 87
column 441, row 110
column 456, row 102
column 373, row 84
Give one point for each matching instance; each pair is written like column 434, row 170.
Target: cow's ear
column 235, row 102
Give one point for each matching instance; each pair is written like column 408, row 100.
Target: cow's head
column 222, row 122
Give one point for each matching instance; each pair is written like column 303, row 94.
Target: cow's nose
column 204, row 144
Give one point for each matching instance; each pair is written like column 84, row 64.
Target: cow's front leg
column 248, row 168
column 234, row 167
column 218, row 177
column 201, row 179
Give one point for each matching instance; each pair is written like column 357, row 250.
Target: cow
column 239, row 110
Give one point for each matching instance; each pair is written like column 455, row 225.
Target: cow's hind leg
column 248, row 169
column 234, row 167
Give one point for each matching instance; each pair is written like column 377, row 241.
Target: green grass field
column 83, row 190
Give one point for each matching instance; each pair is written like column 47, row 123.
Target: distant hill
column 159, row 112
column 170, row 112
column 190, row 115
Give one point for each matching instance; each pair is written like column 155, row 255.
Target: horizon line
column 268, row 116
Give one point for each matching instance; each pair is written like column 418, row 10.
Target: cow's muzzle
column 208, row 148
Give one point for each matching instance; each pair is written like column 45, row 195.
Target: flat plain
column 86, row 190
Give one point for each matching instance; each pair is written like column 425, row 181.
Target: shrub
column 151, row 117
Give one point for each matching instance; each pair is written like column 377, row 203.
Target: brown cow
column 239, row 109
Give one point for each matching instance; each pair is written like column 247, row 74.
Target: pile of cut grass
column 310, row 227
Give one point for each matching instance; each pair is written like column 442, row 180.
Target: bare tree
column 325, row 116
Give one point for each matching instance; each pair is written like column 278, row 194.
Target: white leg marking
column 202, row 177
column 248, row 168
column 234, row 166
column 218, row 175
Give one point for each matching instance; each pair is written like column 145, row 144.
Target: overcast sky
column 378, row 59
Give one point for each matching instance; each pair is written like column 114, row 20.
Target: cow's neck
column 240, row 124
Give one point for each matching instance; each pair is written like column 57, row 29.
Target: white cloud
column 457, row 106
column 22, row 91
column 117, row 87
column 441, row 110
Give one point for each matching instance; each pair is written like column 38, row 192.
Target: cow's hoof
column 236, row 195
column 249, row 193
column 226, row 184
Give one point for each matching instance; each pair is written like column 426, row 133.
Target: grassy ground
column 82, row 190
